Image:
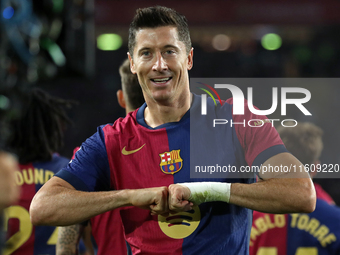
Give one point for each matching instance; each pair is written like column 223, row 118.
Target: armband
column 202, row 192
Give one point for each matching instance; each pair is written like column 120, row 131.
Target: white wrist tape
column 202, row 192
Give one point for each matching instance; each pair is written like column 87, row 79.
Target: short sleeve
column 89, row 170
column 258, row 136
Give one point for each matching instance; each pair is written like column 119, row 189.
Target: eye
column 170, row 52
column 145, row 53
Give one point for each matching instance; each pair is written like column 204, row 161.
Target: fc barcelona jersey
column 316, row 233
column 104, row 225
column 131, row 155
column 22, row 237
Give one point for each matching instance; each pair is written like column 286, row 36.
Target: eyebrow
column 164, row 47
column 170, row 46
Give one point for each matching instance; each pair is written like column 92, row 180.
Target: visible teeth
column 161, row 80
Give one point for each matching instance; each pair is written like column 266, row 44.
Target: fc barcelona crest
column 171, row 162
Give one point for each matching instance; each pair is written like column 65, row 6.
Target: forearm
column 60, row 206
column 57, row 203
column 277, row 195
column 69, row 237
column 68, row 240
column 278, row 192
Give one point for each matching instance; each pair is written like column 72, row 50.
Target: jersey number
column 25, row 229
column 299, row 251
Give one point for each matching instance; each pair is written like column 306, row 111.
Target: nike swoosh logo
column 125, row 152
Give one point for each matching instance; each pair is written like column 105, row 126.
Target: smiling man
column 142, row 162
column 161, row 61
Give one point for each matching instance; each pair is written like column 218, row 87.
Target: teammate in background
column 36, row 137
column 9, row 191
column 317, row 233
column 143, row 160
column 107, row 228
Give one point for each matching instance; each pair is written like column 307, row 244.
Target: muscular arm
column 277, row 192
column 57, row 203
column 68, row 238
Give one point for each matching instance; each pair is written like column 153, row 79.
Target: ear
column 132, row 64
column 190, row 59
column 121, row 99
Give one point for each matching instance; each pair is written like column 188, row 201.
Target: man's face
column 161, row 64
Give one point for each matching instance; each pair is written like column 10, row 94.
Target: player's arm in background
column 69, row 237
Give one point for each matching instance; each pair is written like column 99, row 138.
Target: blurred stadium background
column 73, row 49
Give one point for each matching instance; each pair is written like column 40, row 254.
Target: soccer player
column 300, row 233
column 107, row 228
column 143, row 161
column 36, row 137
column 9, row 191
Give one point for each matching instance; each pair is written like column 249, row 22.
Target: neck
column 157, row 114
column 128, row 109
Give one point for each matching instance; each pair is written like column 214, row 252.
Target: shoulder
column 120, row 125
column 56, row 158
column 109, row 135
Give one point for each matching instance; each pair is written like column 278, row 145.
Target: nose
column 160, row 64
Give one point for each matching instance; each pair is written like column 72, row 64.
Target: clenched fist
column 153, row 199
column 179, row 198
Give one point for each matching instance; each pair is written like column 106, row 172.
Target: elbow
column 45, row 206
column 38, row 213
column 35, row 215
column 310, row 204
column 308, row 198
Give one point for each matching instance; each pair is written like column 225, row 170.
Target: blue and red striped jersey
column 108, row 232
column 131, row 155
column 108, row 224
column 22, row 237
column 316, row 233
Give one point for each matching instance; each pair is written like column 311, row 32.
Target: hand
column 179, row 198
column 153, row 199
column 9, row 191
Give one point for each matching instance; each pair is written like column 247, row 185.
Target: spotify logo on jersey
column 180, row 225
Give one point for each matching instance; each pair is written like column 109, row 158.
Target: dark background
column 310, row 49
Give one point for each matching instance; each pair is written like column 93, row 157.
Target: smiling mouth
column 162, row 80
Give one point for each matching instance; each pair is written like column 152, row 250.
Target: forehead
column 157, row 37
